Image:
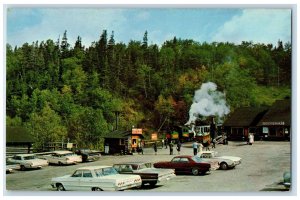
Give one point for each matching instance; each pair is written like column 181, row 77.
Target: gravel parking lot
column 263, row 165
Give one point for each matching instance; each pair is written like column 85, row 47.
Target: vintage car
column 149, row 174
column 28, row 161
column 88, row 154
column 225, row 162
column 10, row 167
column 185, row 164
column 63, row 158
column 96, row 178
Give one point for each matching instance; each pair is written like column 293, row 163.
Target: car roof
column 93, row 167
column 62, row 152
column 25, row 154
column 132, row 163
column 208, row 151
column 184, row 156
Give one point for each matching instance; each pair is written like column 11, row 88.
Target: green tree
column 46, row 126
column 86, row 125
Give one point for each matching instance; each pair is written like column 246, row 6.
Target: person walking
column 178, row 147
column 155, row 148
column 171, row 148
column 166, row 143
column 141, row 148
column 214, row 143
column 200, row 147
column 251, row 138
column 195, row 147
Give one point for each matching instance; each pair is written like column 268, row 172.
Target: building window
column 237, row 131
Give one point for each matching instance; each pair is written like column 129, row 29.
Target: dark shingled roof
column 245, row 116
column 279, row 112
column 17, row 135
column 117, row 134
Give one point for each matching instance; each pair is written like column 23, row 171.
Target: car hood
column 233, row 158
column 38, row 161
column 155, row 171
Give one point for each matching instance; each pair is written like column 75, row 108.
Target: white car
column 28, row 161
column 225, row 162
column 63, row 158
column 96, row 178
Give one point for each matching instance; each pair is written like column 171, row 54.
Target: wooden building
column 117, row 142
column 18, row 140
column 244, row 121
column 268, row 123
column 122, row 142
column 276, row 123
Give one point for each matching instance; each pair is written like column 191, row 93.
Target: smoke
column 208, row 102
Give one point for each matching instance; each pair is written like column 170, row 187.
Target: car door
column 16, row 159
column 184, row 165
column 73, row 182
column 175, row 164
column 52, row 159
column 87, row 182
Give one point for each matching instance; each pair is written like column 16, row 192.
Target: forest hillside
column 61, row 91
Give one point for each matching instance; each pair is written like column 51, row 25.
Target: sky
column 30, row 24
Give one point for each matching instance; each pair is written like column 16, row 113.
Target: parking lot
column 261, row 170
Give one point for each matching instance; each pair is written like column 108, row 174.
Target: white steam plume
column 208, row 102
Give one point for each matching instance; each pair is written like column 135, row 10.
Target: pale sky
column 30, row 24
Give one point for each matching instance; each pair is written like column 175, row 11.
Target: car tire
column 223, row 166
column 97, row 189
column 60, row 187
column 195, row 171
column 152, row 184
column 22, row 168
column 59, row 163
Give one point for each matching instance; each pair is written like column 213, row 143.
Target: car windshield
column 197, row 159
column 142, row 166
column 67, row 154
column 85, row 150
column 105, row 171
column 29, row 157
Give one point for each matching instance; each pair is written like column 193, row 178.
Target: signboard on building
column 273, row 123
column 175, row 135
column 137, row 131
column 154, row 136
column 69, row 145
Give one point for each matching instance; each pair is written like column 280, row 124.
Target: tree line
column 59, row 92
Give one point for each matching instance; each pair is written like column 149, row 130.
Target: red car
column 185, row 164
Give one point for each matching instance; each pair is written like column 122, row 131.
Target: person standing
column 141, row 148
column 166, row 143
column 251, row 138
column 171, row 148
column 195, row 147
column 155, row 148
column 178, row 147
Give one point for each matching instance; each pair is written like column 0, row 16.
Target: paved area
column 263, row 165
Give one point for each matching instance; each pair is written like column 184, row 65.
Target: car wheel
column 223, row 166
column 22, row 167
column 152, row 184
column 60, row 163
column 60, row 187
column 195, row 171
column 97, row 189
